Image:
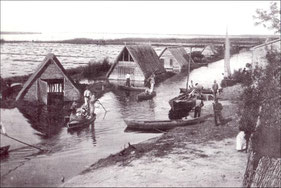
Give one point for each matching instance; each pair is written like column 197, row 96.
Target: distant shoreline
column 196, row 42
column 18, row 33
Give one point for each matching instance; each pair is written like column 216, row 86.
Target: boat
column 146, row 96
column 182, row 103
column 162, row 125
column 131, row 88
column 204, row 91
column 4, row 150
column 77, row 123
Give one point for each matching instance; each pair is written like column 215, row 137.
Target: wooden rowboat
column 4, row 150
column 132, row 88
column 204, row 91
column 72, row 124
column 146, row 96
column 162, row 125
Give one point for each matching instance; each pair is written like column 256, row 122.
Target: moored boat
column 162, row 125
column 146, row 96
column 77, row 123
column 204, row 91
column 4, row 150
column 131, row 88
column 182, row 102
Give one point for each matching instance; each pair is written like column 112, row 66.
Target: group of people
column 196, row 91
column 87, row 110
column 150, row 80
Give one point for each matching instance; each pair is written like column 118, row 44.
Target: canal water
column 69, row 153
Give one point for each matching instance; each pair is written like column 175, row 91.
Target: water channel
column 69, row 153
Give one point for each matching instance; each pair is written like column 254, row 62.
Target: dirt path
column 200, row 155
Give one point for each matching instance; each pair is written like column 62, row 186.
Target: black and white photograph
column 140, row 94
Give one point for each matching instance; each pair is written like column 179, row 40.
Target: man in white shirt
column 87, row 96
column 128, row 80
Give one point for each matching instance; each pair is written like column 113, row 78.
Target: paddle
column 22, row 142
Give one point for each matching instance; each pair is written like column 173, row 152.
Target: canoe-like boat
column 204, row 91
column 182, row 102
column 131, row 88
column 146, row 96
column 4, row 150
column 162, row 125
column 77, row 123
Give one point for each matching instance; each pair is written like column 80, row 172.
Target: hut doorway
column 55, row 91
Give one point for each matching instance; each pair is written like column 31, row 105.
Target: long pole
column 102, row 106
column 22, row 142
column 188, row 70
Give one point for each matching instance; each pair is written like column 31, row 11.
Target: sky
column 155, row 17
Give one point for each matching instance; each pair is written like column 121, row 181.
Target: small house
column 259, row 52
column 140, row 61
column 174, row 59
column 49, row 84
column 209, row 51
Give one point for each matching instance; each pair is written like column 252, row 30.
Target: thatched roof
column 179, row 54
column 50, row 58
column 145, row 57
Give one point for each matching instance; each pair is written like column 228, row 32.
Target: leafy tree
column 269, row 18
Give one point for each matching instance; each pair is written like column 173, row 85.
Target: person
column 197, row 91
column 152, row 82
column 128, row 80
column 87, row 95
column 215, row 88
column 2, row 129
column 92, row 105
column 198, row 106
column 217, row 107
column 241, row 144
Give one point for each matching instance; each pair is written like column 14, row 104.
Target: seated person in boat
column 128, row 80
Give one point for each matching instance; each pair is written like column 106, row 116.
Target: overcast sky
column 163, row 17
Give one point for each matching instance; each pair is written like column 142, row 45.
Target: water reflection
column 48, row 120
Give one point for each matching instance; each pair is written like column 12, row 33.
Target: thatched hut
column 49, row 84
column 140, row 61
column 174, row 59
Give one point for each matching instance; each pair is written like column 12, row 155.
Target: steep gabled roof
column 50, row 58
column 179, row 54
column 145, row 57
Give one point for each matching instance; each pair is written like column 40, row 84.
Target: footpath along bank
column 198, row 155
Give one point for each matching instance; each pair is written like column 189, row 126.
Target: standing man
column 152, row 82
column 87, row 96
column 217, row 107
column 215, row 88
column 128, row 80
column 198, row 106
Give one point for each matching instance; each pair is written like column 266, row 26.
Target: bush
column 96, row 69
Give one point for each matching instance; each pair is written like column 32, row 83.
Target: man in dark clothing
column 197, row 110
column 217, row 112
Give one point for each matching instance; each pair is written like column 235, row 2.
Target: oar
column 22, row 142
column 102, row 106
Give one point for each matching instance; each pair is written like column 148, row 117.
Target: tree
column 269, row 18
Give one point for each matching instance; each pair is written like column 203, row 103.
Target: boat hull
column 131, row 88
column 162, row 125
column 181, row 103
column 145, row 96
column 80, row 123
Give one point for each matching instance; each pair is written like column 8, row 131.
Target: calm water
column 71, row 152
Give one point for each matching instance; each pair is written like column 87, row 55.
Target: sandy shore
column 198, row 155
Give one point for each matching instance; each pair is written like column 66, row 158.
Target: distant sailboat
column 227, row 72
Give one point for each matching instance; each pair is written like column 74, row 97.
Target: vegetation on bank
column 262, row 89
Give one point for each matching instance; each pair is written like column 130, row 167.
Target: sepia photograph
column 140, row 94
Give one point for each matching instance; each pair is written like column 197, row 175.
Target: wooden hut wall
column 168, row 57
column 31, row 93
column 70, row 93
